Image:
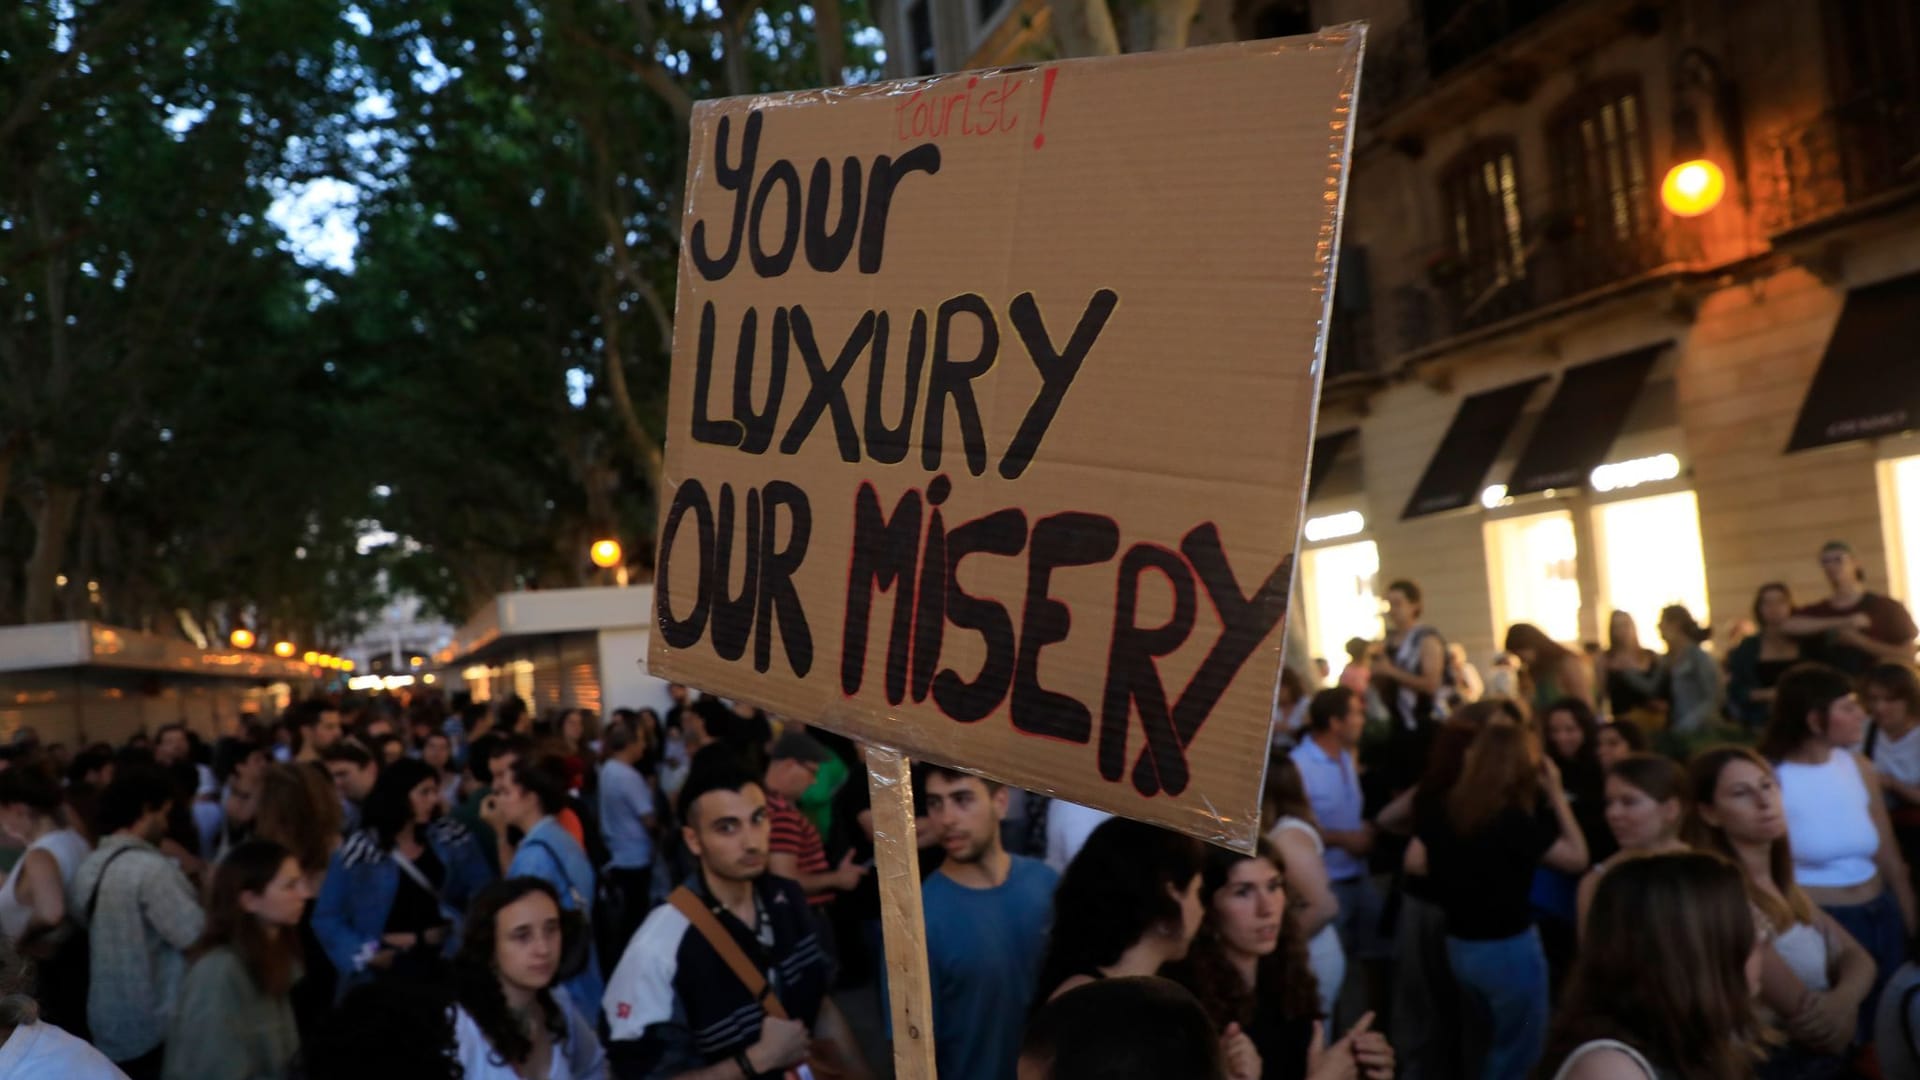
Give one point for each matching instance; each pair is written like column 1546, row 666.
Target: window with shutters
column 1487, row 259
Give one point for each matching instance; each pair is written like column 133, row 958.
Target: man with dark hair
column 1326, row 760
column 318, row 724
column 674, row 1006
column 237, row 767
column 141, row 917
column 1410, row 671
column 489, row 756
column 526, row 796
column 1139, row 1028
column 354, row 771
column 627, row 822
column 987, row 914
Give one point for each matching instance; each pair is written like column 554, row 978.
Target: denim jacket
column 351, row 913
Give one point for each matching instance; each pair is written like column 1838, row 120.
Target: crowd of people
column 1623, row 864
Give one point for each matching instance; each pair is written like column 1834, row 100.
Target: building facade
column 1550, row 396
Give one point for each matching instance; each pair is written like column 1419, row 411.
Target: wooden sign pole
column 897, row 862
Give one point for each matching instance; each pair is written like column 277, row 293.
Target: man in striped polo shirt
column 794, row 847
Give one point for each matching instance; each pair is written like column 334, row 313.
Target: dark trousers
column 146, row 1066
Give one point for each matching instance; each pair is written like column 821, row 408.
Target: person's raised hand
column 1238, row 1054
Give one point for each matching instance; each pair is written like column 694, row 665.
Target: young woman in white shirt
column 508, row 1023
column 1844, row 852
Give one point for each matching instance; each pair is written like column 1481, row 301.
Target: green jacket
column 226, row 1028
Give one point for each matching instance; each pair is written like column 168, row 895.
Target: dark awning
column 1473, row 440
column 1869, row 380
column 1582, row 421
column 1327, row 450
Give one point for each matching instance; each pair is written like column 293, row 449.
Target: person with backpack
column 141, row 917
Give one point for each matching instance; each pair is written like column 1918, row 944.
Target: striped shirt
column 792, row 834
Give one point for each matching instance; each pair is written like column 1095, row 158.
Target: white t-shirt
column 579, row 1057
column 1898, row 758
column 45, row 1052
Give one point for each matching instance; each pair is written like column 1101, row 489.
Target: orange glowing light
column 605, row 553
column 1692, row 188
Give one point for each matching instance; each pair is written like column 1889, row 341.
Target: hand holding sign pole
column 987, row 441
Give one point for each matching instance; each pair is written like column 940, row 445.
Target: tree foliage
column 195, row 415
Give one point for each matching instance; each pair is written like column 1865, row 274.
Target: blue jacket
column 351, row 912
column 549, row 852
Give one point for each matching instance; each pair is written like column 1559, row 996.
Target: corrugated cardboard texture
column 1048, row 376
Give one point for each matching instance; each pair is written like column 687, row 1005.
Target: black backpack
column 67, row 973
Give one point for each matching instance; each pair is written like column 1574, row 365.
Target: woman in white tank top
column 1297, row 838
column 1844, row 852
column 1814, row 976
column 34, row 895
column 1662, row 997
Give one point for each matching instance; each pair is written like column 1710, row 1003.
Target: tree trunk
column 735, row 34
column 1084, row 28
column 8, row 452
column 53, row 520
column 830, row 34
column 1161, row 24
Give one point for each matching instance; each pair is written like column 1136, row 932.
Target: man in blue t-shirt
column 988, row 913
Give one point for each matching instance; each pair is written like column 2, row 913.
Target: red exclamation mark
column 1046, row 95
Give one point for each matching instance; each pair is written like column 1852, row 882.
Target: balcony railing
column 1567, row 261
column 1458, row 31
column 1850, row 154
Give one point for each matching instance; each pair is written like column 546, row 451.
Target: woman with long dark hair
column 1248, row 966
column 1755, row 665
column 1426, row 1023
column 1570, row 736
column 1667, row 997
column 1814, row 975
column 1646, row 806
column 234, row 1019
column 1844, row 852
column 394, row 890
column 509, row 1024
column 1549, row 671
column 1128, row 904
column 1506, row 816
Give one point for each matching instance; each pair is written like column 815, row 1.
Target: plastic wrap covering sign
column 991, row 404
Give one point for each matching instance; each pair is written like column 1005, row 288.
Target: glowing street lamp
column 241, row 638
column 605, row 553
column 283, row 649
column 1692, row 188
column 312, row 658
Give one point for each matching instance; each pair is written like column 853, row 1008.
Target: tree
column 144, row 143
column 1088, row 27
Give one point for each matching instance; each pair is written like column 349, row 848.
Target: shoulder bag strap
column 100, row 882
column 420, row 878
column 703, row 920
column 579, row 902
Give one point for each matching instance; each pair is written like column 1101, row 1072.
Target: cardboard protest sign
column 991, row 404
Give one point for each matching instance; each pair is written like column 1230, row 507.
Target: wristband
column 746, row 1065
